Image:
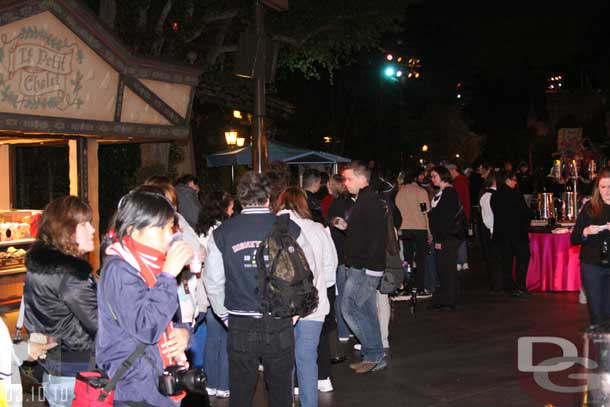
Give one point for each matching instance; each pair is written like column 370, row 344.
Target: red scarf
column 149, row 263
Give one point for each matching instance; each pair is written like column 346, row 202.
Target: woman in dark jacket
column 445, row 206
column 139, row 293
column 60, row 294
column 592, row 232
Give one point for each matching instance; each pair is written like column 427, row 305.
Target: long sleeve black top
column 442, row 215
column 511, row 214
column 365, row 246
column 340, row 207
column 591, row 245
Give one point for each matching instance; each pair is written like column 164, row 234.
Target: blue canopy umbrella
column 277, row 152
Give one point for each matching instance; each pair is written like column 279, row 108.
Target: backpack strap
column 135, row 355
column 262, row 268
column 283, row 221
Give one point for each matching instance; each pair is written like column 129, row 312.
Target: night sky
column 501, row 51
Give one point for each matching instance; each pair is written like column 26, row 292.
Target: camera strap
column 123, row 369
column 139, row 344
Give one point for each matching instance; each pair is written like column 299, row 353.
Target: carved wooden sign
column 43, row 70
column 47, row 70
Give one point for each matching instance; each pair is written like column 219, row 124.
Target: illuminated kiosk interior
column 66, row 81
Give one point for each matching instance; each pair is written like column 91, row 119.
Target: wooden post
column 5, row 177
column 73, row 166
column 92, row 165
column 259, row 134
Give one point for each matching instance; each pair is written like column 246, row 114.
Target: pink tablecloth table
column 554, row 263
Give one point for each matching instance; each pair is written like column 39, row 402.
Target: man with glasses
column 511, row 224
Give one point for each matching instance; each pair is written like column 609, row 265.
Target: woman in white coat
column 322, row 259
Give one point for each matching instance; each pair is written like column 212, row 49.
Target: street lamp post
column 233, row 140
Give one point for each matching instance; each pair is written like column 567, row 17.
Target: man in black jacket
column 511, row 225
column 231, row 281
column 312, row 180
column 365, row 256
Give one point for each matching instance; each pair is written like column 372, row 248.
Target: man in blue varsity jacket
column 231, row 280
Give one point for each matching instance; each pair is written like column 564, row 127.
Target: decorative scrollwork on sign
column 40, row 71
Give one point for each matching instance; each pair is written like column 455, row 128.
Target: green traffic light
column 389, row 72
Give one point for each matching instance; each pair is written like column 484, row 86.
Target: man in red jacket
column 460, row 183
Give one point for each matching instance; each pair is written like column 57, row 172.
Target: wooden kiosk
column 65, row 79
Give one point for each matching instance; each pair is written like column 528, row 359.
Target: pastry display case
column 18, row 229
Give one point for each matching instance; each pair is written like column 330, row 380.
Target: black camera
column 176, row 379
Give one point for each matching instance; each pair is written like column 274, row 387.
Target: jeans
column 342, row 327
column 197, row 350
column 359, row 306
column 250, row 340
column 596, row 282
column 307, row 336
column 58, row 390
column 462, row 256
column 383, row 313
column 216, row 356
column 419, row 239
column 431, row 280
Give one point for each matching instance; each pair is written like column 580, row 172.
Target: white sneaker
column 296, row 391
column 344, row 339
column 223, row 394
column 582, row 297
column 459, row 267
column 357, row 346
column 211, row 392
column 325, row 385
column 261, row 368
column 465, row 266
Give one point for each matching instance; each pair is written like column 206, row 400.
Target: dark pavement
column 465, row 358
column 462, row 359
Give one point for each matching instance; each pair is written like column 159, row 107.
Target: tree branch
column 222, row 16
column 226, row 48
column 299, row 42
column 211, row 18
column 162, row 17
column 217, row 44
column 143, row 17
column 108, row 9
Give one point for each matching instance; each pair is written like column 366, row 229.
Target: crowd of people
column 179, row 288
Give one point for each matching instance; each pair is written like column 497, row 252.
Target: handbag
column 460, row 225
column 94, row 388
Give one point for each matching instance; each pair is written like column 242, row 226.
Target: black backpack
column 286, row 284
column 393, row 275
column 459, row 229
